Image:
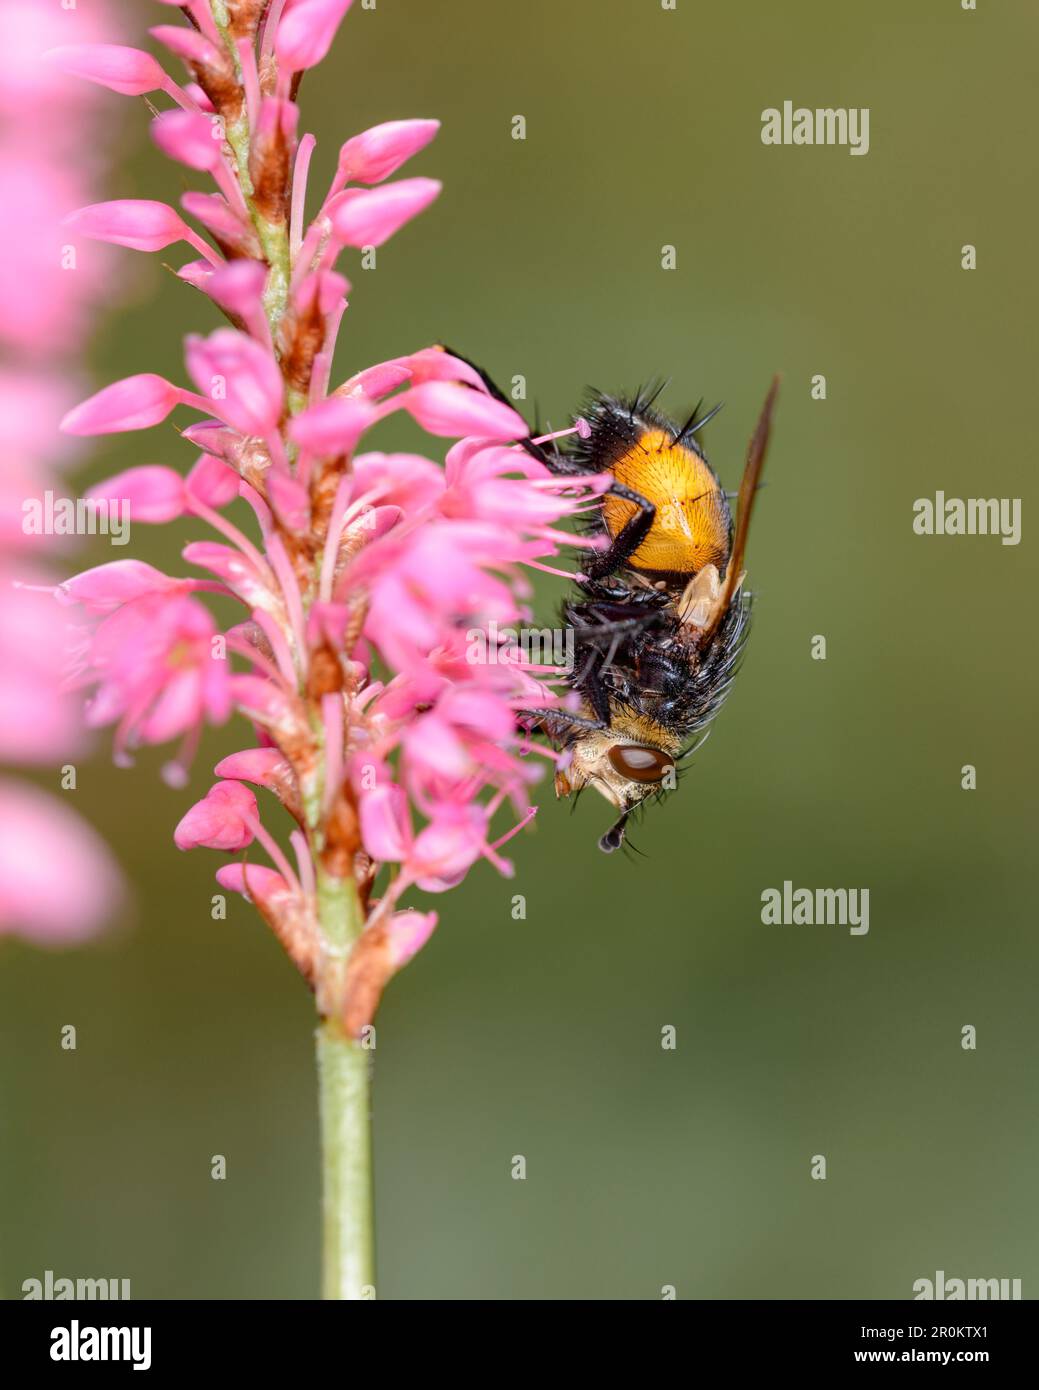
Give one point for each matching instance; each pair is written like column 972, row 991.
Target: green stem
column 344, row 1080
column 346, row 1164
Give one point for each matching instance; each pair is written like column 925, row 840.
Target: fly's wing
column 745, row 505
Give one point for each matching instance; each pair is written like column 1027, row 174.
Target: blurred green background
column 542, row 1037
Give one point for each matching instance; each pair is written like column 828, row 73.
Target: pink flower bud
column 228, row 228
column 223, row 819
column 266, row 767
column 135, row 403
column 333, row 426
column 375, row 382
column 212, row 482
column 138, row 223
column 436, row 364
column 306, row 32
column 190, row 137
column 377, row 153
column 241, row 378
column 187, row 43
column 370, row 217
column 256, row 882
column 238, row 287
column 197, row 274
column 407, row 933
column 445, row 409
column 321, row 290
column 127, row 70
column 105, row 588
column 155, row 494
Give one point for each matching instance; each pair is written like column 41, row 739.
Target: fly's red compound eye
column 639, row 763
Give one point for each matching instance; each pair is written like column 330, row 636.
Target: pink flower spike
column 306, row 32
column 105, row 588
column 377, row 153
column 192, row 138
column 140, row 223
column 224, row 819
column 241, row 379
column 135, row 403
column 453, row 411
column 333, row 426
column 130, row 71
column 155, row 494
column 370, row 217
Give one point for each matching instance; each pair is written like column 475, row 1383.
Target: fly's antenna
column 748, row 489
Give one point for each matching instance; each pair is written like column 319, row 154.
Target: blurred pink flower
column 58, row 881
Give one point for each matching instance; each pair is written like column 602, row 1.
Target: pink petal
column 290, row 501
column 212, row 482
column 446, row 409
column 107, row 587
column 436, row 364
column 241, row 378
column 333, row 426
column 191, row 138
column 370, row 217
column 221, row 820
column 230, row 565
column 404, row 480
column 226, row 226
column 408, row 932
column 238, row 287
column 323, row 290
column 127, row 70
column 253, row 881
column 135, row 403
column 377, row 153
column 186, row 43
column 266, row 767
column 155, row 494
column 139, row 223
column 384, row 823
column 306, row 32
column 376, row 382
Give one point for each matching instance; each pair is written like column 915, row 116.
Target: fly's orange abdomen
column 691, row 526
